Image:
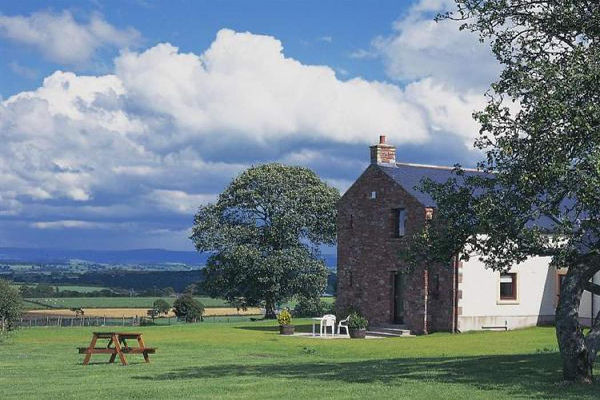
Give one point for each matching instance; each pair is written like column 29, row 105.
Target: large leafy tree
column 264, row 232
column 11, row 305
column 539, row 193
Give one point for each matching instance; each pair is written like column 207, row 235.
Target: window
column 508, row 286
column 351, row 221
column 399, row 222
column 373, row 195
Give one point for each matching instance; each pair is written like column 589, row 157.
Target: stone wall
column 369, row 255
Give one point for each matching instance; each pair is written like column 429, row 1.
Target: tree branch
column 592, row 288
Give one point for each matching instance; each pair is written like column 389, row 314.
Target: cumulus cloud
column 62, row 39
column 243, row 85
column 76, row 224
column 179, row 201
column 167, row 130
column 422, row 48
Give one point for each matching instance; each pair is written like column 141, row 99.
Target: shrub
column 11, row 305
column 284, row 318
column 357, row 321
column 188, row 308
column 311, row 307
column 161, row 306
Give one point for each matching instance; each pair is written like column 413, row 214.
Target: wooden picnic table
column 117, row 346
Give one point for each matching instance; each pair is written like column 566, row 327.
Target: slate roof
column 410, row 175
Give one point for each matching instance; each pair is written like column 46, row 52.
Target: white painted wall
column 537, row 290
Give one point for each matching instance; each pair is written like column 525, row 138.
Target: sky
column 119, row 118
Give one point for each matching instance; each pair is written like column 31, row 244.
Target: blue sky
column 119, row 118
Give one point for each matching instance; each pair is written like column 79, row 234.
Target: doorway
column 398, row 298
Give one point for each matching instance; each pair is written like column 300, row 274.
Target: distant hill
column 138, row 256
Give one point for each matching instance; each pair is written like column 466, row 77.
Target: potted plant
column 285, row 323
column 357, row 326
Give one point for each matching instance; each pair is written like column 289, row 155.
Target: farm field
column 251, row 360
column 111, row 302
column 139, row 312
column 125, row 302
column 61, row 288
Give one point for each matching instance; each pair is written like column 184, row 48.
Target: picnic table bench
column 118, row 341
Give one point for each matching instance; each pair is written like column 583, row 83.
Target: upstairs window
column 399, row 222
column 508, row 286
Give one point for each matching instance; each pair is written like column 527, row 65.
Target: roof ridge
column 444, row 167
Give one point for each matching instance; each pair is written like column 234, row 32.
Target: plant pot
column 357, row 333
column 286, row 329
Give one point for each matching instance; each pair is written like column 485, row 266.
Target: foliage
column 284, row 317
column 11, row 305
column 161, row 306
column 264, row 233
column 313, row 307
column 541, row 174
column 357, row 321
column 186, row 307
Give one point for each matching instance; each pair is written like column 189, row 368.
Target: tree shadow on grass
column 526, row 375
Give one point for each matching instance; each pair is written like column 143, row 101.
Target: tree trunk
column 577, row 365
column 270, row 309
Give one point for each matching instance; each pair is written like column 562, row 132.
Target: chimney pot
column 383, row 153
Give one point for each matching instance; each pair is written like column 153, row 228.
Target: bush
column 311, row 307
column 188, row 308
column 284, row 318
column 357, row 321
column 161, row 306
column 11, row 305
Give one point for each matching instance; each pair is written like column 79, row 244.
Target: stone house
column 379, row 213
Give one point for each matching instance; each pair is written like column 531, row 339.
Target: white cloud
column 76, row 224
column 422, row 48
column 62, row 39
column 179, row 201
column 243, row 85
column 167, row 130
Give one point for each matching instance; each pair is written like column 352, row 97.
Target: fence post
column 123, row 320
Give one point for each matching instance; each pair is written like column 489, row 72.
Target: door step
column 388, row 331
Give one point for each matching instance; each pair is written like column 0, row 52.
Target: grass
column 249, row 360
column 111, row 302
column 125, row 302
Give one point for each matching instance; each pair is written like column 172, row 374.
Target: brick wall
column 369, row 255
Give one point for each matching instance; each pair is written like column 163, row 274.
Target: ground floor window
column 508, row 286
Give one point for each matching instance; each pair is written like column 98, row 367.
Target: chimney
column 383, row 153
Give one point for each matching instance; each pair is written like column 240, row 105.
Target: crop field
column 61, row 288
column 250, row 360
column 111, row 302
column 138, row 312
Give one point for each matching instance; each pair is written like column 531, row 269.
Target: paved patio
column 309, row 335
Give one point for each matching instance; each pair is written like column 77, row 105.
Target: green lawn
column 112, row 302
column 251, row 361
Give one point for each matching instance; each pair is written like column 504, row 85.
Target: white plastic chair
column 343, row 324
column 328, row 320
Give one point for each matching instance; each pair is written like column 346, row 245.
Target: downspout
column 426, row 300
column 455, row 295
